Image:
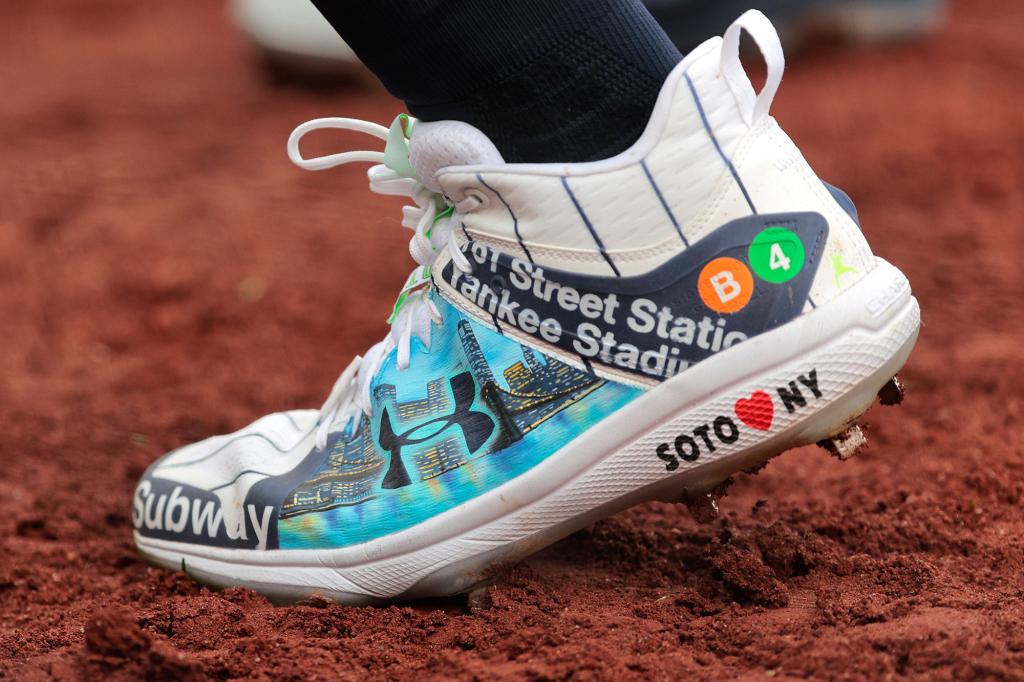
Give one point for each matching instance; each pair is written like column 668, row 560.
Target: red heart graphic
column 757, row 412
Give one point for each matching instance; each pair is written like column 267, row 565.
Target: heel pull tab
column 754, row 107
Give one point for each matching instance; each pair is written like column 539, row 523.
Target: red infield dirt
column 166, row 274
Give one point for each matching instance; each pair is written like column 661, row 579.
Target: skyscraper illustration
column 465, row 416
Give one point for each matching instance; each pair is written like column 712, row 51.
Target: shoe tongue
column 437, row 145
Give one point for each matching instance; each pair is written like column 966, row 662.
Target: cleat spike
column 846, row 444
column 892, row 393
column 703, row 508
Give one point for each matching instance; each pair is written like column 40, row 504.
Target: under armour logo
column 476, row 429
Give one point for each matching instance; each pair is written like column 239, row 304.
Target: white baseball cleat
column 577, row 338
column 293, row 35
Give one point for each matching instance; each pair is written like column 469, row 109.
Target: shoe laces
column 432, row 218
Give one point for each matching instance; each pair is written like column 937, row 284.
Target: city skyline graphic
column 465, row 415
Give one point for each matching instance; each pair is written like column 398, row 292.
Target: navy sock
column 546, row 80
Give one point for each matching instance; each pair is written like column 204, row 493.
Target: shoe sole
column 854, row 346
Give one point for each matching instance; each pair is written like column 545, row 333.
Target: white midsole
column 854, row 342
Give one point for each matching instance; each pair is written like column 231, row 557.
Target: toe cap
column 223, row 491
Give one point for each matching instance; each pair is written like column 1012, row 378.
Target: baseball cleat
column 294, row 38
column 576, row 338
column 873, row 21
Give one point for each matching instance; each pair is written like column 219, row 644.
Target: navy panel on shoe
column 166, row 509
column 656, row 324
column 844, row 200
column 170, row 510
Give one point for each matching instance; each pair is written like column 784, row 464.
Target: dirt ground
column 166, row 274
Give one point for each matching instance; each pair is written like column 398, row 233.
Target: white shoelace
column 432, row 220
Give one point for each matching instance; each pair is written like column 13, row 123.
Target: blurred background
column 166, row 274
